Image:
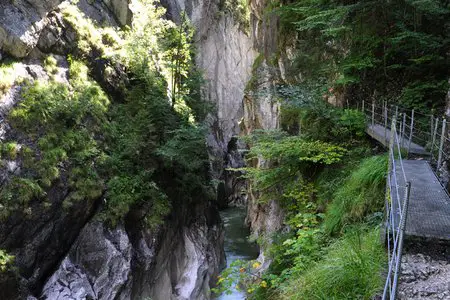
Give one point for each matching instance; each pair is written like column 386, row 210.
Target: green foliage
column 5, row 260
column 63, row 122
column 304, row 112
column 323, row 122
column 10, row 150
column 149, row 154
column 89, row 35
column 50, row 65
column 350, row 269
column 125, row 191
column 360, row 195
column 16, row 195
column 240, row 11
column 8, row 76
column 366, row 48
column 289, row 158
column 157, row 154
column 303, row 173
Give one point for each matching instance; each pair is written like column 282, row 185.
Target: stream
column 236, row 244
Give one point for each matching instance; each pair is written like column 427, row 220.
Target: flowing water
column 236, row 243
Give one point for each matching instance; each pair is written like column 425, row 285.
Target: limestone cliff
column 242, row 68
column 62, row 254
column 71, row 254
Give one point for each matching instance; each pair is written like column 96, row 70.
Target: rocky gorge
column 62, row 254
column 130, row 131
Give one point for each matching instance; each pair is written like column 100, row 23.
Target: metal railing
column 396, row 204
column 424, row 130
column 403, row 129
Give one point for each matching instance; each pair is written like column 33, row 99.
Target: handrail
column 396, row 212
column 405, row 130
column 412, row 130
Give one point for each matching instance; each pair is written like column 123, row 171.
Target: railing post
column 436, row 123
column 441, row 145
column 432, row 127
column 411, row 130
column 400, row 239
column 391, row 153
column 387, row 287
column 385, row 121
column 363, row 107
column 391, row 145
column 373, row 114
column 403, row 130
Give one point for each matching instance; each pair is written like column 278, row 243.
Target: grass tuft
column 360, row 195
column 349, row 270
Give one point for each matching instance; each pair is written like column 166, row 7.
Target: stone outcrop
column 21, row 23
column 39, row 235
column 121, row 9
column 225, row 55
column 98, row 266
column 173, row 262
column 240, row 82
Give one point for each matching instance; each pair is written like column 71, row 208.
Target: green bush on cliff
column 64, row 122
column 308, row 263
column 239, row 10
column 145, row 151
column 157, row 154
column 5, row 260
column 8, row 76
column 331, row 198
column 288, row 159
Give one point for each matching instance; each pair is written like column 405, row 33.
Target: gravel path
column 425, row 271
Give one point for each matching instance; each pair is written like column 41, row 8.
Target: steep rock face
column 261, row 111
column 121, row 8
column 182, row 263
column 241, row 84
column 21, row 23
column 175, row 261
column 39, row 235
column 178, row 261
column 98, row 266
column 225, row 55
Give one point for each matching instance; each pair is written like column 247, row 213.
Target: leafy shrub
column 7, row 77
column 344, row 45
column 50, row 65
column 240, row 11
column 323, row 122
column 5, row 260
column 287, row 158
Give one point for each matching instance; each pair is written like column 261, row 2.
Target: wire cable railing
column 405, row 133
column 396, row 204
column 417, row 131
